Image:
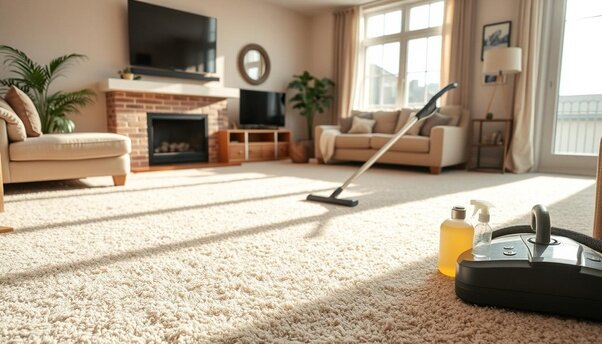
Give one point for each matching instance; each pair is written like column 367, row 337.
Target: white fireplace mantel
column 142, row 86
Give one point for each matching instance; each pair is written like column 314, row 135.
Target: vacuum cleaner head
column 535, row 271
column 332, row 199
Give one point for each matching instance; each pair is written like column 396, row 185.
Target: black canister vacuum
column 536, row 268
column 427, row 111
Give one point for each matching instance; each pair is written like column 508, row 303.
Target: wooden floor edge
column 5, row 229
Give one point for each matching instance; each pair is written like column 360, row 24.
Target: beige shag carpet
column 235, row 254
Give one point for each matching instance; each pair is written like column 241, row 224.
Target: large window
column 571, row 118
column 401, row 55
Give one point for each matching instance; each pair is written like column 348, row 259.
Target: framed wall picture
column 495, row 35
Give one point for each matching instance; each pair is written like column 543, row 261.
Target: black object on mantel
column 552, row 270
column 172, row 74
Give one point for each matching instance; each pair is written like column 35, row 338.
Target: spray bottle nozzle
column 481, row 207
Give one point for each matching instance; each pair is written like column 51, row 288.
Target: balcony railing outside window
column 578, row 125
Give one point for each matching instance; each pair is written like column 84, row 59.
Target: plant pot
column 301, row 151
column 127, row 76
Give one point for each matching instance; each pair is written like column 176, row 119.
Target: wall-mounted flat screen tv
column 260, row 109
column 169, row 39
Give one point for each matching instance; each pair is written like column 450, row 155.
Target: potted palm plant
column 313, row 96
column 35, row 80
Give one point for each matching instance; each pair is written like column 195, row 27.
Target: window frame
column 403, row 37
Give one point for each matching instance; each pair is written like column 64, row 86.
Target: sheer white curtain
column 346, row 31
column 530, row 18
column 456, row 57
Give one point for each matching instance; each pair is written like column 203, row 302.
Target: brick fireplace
column 127, row 111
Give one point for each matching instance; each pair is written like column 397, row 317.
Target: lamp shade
column 502, row 60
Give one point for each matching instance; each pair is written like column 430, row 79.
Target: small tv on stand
column 261, row 109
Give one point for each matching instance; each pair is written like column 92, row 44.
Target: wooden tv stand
column 240, row 145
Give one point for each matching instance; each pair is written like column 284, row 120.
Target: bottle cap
column 481, row 207
column 458, row 213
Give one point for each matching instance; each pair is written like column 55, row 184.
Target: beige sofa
column 64, row 156
column 446, row 146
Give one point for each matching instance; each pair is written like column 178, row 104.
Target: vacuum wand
column 427, row 111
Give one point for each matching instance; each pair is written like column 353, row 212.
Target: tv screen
column 261, row 109
column 165, row 38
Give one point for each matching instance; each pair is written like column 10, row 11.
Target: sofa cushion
column 14, row 126
column 404, row 115
column 453, row 111
column 385, row 121
column 346, row 122
column 24, row 108
column 74, row 146
column 409, row 144
column 415, row 129
column 361, row 126
column 433, row 121
column 355, row 141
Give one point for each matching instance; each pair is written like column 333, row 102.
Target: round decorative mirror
column 254, row 64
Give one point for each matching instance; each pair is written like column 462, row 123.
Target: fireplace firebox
column 177, row 138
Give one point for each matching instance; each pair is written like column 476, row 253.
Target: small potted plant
column 313, row 96
column 127, row 74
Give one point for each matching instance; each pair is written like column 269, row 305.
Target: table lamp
column 501, row 62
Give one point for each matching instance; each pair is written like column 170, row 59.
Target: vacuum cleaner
column 536, row 268
column 427, row 111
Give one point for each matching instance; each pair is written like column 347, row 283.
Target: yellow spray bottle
column 456, row 236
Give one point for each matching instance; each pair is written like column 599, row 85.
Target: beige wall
column 488, row 12
column 98, row 28
column 321, row 44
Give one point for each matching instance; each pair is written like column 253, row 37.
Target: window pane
column 579, row 110
column 389, row 90
column 391, row 59
column 432, row 84
column 374, row 26
column 374, row 56
column 419, row 17
column 392, row 22
column 372, row 91
column 415, row 88
column 583, row 9
column 436, row 15
column 382, row 73
column 417, row 49
column 434, row 53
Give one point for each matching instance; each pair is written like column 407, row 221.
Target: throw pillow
column 346, row 122
column 361, row 125
column 404, row 115
column 385, row 121
column 453, row 111
column 14, row 126
column 433, row 121
column 24, row 108
column 415, row 129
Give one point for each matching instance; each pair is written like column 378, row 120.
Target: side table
column 481, row 143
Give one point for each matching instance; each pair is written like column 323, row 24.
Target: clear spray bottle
column 481, row 244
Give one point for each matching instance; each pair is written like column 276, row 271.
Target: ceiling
column 313, row 7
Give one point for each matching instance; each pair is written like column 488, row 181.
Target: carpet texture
column 235, row 254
